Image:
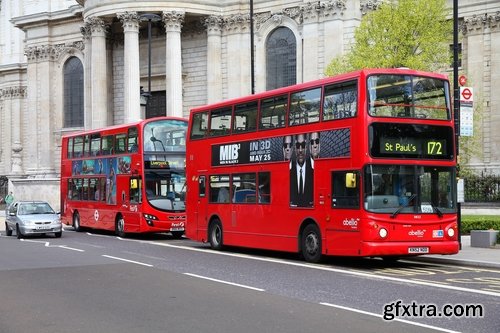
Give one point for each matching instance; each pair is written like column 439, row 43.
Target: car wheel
column 120, row 227
column 8, row 232
column 58, row 234
column 76, row 222
column 18, row 232
column 215, row 236
column 311, row 243
column 177, row 234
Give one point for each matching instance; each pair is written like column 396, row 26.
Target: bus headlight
column 451, row 232
column 149, row 219
column 382, row 233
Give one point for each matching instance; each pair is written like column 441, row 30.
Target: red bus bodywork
column 341, row 223
column 105, row 177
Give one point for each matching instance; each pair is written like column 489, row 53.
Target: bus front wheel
column 215, row 235
column 311, row 243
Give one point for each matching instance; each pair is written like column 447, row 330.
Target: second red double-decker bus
column 127, row 178
column 361, row 164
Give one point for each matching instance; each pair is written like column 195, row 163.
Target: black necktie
column 301, row 186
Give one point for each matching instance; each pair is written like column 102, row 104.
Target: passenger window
column 244, row 188
column 343, row 196
column 304, row 107
column 219, row 189
column 107, row 145
column 273, row 112
column 86, row 146
column 70, row 148
column 245, row 117
column 132, row 140
column 78, row 147
column 201, row 186
column 340, row 101
column 220, row 122
column 95, row 144
column 120, row 140
column 199, row 125
column 264, row 187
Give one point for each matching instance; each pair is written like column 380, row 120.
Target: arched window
column 281, row 59
column 73, row 93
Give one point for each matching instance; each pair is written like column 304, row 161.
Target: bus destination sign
column 412, row 146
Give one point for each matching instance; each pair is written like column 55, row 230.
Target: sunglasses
column 300, row 145
column 315, row 141
column 287, row 145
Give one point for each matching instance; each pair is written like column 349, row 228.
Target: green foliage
column 479, row 222
column 404, row 33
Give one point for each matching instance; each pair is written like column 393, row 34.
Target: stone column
column 214, row 58
column 234, row 27
column 311, row 45
column 31, row 152
column 18, row 94
column 173, row 24
column 87, row 75
column 98, row 72
column 131, row 77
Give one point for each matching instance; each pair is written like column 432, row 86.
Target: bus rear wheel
column 215, row 235
column 311, row 243
column 76, row 222
column 120, row 227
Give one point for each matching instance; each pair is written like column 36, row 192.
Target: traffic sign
column 462, row 80
column 466, row 94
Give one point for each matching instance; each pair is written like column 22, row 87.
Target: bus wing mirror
column 350, row 180
column 133, row 184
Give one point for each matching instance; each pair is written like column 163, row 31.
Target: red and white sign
column 462, row 80
column 466, row 94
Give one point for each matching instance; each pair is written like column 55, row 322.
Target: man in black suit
column 301, row 176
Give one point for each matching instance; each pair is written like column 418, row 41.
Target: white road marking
column 126, row 260
column 225, row 282
column 396, row 319
column 47, row 244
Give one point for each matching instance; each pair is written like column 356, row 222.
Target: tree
column 404, row 33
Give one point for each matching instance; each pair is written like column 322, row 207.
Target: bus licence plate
column 418, row 250
column 177, row 229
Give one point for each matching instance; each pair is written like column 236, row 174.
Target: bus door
column 201, row 205
column 131, row 202
column 344, row 228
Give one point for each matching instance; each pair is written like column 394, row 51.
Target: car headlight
column 382, row 233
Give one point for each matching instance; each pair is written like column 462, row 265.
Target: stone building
column 68, row 65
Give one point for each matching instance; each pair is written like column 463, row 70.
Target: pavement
column 467, row 256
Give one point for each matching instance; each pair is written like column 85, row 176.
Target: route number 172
column 434, row 148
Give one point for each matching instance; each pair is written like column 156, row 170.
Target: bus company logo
column 352, row 222
column 417, row 233
column 229, row 154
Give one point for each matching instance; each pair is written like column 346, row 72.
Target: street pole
column 456, row 109
column 252, row 60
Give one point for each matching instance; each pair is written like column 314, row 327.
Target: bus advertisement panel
column 361, row 164
column 127, row 179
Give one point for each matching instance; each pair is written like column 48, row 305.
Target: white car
column 32, row 218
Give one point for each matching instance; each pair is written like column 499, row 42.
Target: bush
column 480, row 222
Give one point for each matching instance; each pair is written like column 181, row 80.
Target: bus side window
column 245, row 117
column 273, row 112
column 220, row 122
column 132, row 140
column 304, row 107
column 344, row 196
column 70, row 148
column 264, row 187
column 340, row 100
column 135, row 190
column 107, row 145
column 120, row 141
column 95, row 144
column 200, row 125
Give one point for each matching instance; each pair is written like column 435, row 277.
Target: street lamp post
column 150, row 17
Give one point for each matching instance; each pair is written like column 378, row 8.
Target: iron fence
column 482, row 188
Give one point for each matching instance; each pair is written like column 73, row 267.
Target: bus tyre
column 76, row 222
column 215, row 235
column 311, row 243
column 120, row 226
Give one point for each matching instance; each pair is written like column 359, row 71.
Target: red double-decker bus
column 361, row 164
column 127, row 178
